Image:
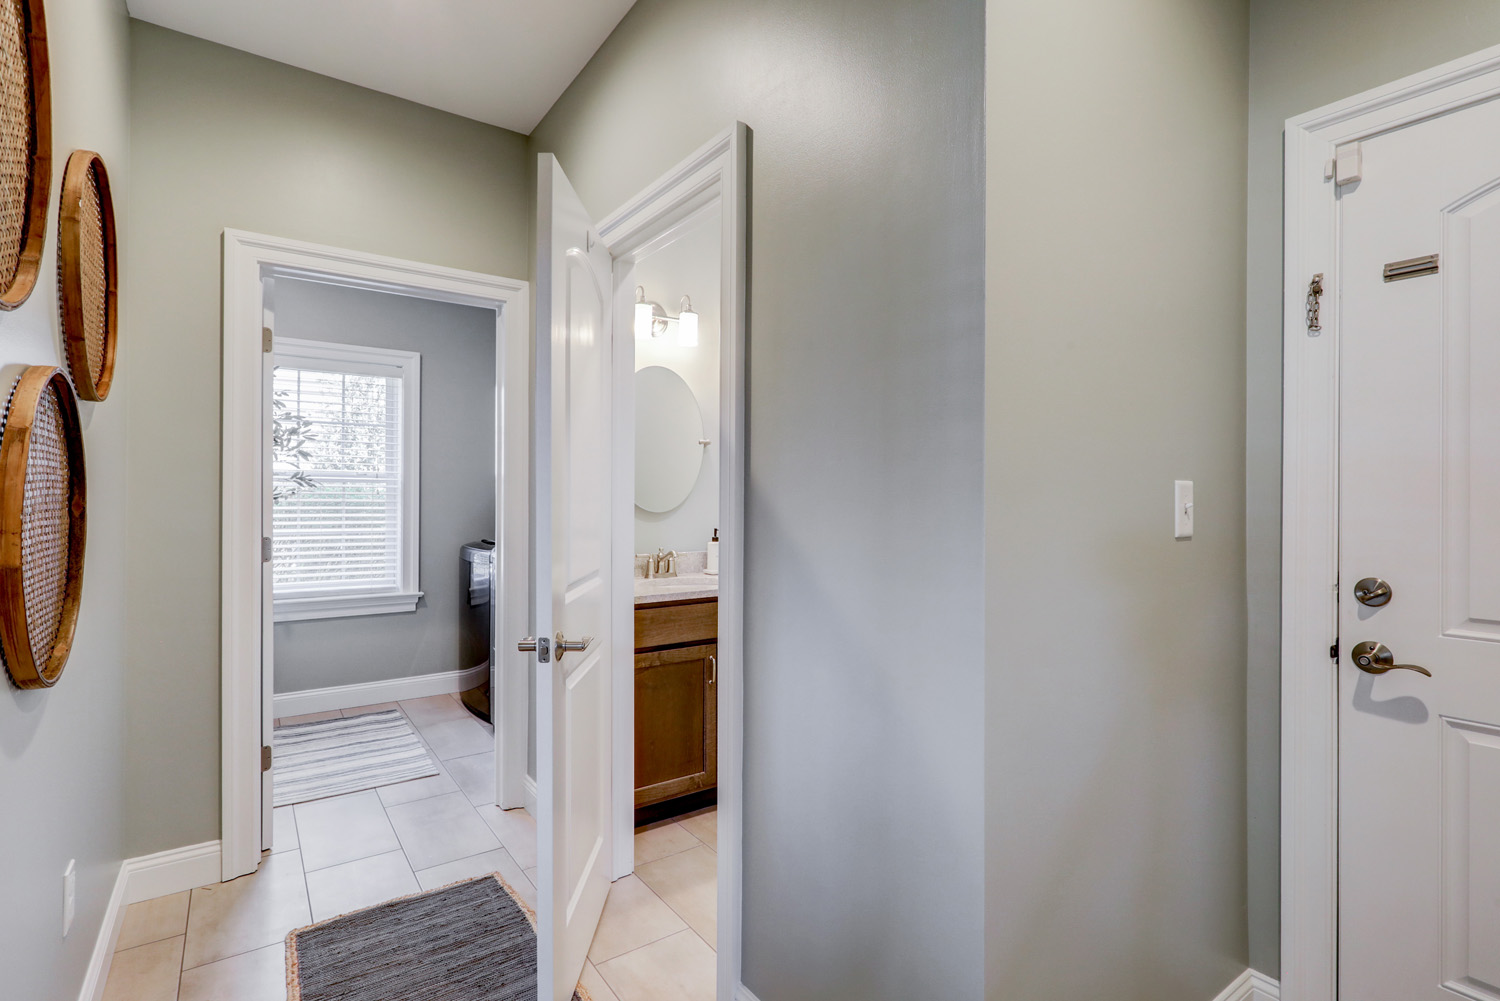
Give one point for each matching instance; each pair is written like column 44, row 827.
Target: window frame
column 360, row 359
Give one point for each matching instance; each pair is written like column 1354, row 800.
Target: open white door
column 267, row 592
column 572, row 580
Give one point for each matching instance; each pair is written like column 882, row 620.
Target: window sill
column 344, row 605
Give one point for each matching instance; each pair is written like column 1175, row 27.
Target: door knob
column 563, row 646
column 1376, row 658
column 1372, row 591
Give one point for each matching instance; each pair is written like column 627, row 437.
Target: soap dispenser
column 711, row 562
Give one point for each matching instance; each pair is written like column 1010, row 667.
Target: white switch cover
column 1182, row 519
column 69, row 885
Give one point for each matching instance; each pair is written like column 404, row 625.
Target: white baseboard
column 742, row 993
column 104, row 945
column 369, row 693
column 1251, row 986
column 146, row 878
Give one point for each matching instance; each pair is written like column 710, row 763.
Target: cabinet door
column 676, row 722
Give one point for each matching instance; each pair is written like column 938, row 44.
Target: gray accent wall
column 220, row 138
column 863, row 616
column 457, row 484
column 1303, row 56
column 61, row 748
column 1115, row 717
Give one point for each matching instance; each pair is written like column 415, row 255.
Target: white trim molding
column 1309, row 574
column 145, row 878
column 713, row 180
column 369, row 693
column 742, row 993
column 1251, row 986
column 250, row 259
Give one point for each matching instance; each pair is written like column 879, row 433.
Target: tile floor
column 657, row 936
column 224, row 942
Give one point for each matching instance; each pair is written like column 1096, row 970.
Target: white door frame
column 248, row 257
column 713, row 179
column 1309, row 570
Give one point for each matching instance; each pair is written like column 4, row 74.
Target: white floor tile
column 457, row 738
column 253, row 976
column 433, row 709
column 145, row 972
column 633, row 916
column 414, row 789
column 704, row 827
column 688, row 882
column 516, row 830
column 659, row 842
column 475, row 775
column 247, row 913
column 343, row 888
column 677, row 968
column 441, row 829
column 154, row 920
column 284, row 829
column 342, row 829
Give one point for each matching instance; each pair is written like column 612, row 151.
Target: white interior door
column 1419, row 508
column 572, row 505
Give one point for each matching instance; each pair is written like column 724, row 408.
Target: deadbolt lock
column 1372, row 591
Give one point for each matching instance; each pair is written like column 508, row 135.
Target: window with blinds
column 344, row 465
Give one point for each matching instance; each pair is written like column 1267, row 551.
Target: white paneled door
column 1419, row 564
column 572, row 583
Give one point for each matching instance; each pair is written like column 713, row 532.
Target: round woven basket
column 25, row 147
column 88, row 281
column 41, row 526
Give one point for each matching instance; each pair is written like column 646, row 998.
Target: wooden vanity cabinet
column 676, row 700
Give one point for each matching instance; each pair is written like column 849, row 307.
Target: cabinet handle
column 713, row 669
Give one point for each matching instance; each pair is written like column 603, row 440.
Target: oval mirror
column 668, row 429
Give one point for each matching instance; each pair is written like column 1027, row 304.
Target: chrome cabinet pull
column 713, row 669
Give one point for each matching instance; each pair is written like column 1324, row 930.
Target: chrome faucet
column 663, row 564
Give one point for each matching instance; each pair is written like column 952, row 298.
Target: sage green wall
column 1115, row 364
column 863, row 714
column 456, row 480
column 1303, row 56
column 222, row 139
column 61, row 748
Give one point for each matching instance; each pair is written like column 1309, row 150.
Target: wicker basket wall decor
column 88, row 278
column 25, row 147
column 41, row 526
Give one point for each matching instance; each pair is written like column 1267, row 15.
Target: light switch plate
column 1182, row 509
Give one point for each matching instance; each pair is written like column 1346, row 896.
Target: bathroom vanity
column 676, row 690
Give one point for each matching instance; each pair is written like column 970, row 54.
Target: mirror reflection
column 668, row 439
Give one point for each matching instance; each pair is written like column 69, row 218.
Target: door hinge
column 265, row 758
column 1333, row 651
column 1315, row 305
column 265, row 339
column 265, row 549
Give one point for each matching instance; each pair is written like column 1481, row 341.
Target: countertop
column 684, row 587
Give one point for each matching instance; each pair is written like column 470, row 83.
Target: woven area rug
column 335, row 756
column 472, row 941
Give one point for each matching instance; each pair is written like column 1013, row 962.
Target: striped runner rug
column 335, row 756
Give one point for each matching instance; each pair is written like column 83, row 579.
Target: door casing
column 248, row 258
column 1309, row 564
column 713, row 179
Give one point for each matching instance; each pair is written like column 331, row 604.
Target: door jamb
column 718, row 171
column 247, row 258
column 1309, row 570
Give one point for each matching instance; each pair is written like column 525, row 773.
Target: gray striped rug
column 472, row 941
column 335, row 756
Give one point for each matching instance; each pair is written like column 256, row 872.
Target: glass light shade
column 643, row 321
column 687, row 328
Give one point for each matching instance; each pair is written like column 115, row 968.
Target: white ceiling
column 498, row 61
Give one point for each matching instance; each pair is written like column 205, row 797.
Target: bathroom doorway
column 681, row 269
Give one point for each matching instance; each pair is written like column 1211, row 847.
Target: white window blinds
column 344, row 470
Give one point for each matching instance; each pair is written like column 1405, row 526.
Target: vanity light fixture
column 651, row 320
column 687, row 325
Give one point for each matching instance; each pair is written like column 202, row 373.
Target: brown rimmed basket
column 88, row 276
column 25, row 147
column 41, row 526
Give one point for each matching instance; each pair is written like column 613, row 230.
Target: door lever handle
column 562, row 646
column 1376, row 658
